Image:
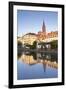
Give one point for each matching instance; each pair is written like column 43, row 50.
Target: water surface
column 31, row 65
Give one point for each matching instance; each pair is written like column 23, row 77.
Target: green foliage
column 34, row 45
column 54, row 44
column 19, row 43
column 28, row 45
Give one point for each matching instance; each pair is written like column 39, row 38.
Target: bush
column 19, row 44
column 54, row 44
column 34, row 45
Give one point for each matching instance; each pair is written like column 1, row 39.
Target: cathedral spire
column 43, row 27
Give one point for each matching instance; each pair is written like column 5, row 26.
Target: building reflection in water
column 32, row 58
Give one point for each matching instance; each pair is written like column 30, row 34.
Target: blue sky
column 31, row 21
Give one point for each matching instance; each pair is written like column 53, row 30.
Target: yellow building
column 41, row 36
column 29, row 38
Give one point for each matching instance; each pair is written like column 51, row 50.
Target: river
column 32, row 65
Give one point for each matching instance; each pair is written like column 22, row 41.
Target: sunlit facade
column 44, row 36
column 28, row 38
column 41, row 36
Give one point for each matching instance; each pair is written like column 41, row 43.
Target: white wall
column 4, row 43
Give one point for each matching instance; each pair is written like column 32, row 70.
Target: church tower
column 43, row 27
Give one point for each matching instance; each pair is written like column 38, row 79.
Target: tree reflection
column 43, row 58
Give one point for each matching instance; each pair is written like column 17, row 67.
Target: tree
column 34, row 45
column 19, row 44
column 28, row 45
column 54, row 44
